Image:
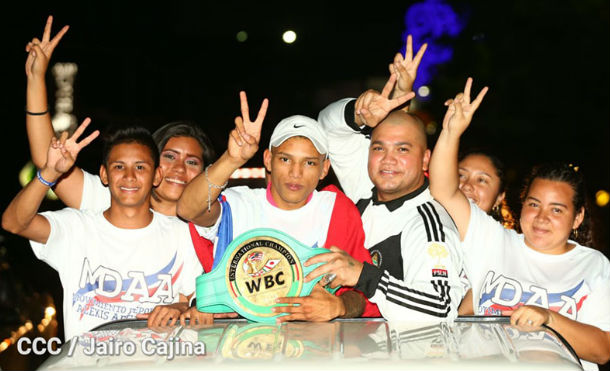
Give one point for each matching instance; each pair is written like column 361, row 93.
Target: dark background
column 546, row 63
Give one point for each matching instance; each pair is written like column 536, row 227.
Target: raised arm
column 21, row 216
column 405, row 67
column 198, row 202
column 344, row 122
column 444, row 178
column 38, row 119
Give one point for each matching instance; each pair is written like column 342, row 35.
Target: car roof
column 472, row 343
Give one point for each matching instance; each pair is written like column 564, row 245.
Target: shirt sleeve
column 96, row 196
column 484, row 239
column 211, row 231
column 431, row 289
column 596, row 308
column 482, row 228
column 59, row 248
column 348, row 148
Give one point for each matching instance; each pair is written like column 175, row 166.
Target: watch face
column 260, row 270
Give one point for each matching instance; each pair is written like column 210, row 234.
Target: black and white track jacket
column 412, row 240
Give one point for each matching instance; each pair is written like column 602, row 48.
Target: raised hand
column 406, row 68
column 244, row 139
column 460, row 109
column 39, row 52
column 63, row 151
column 372, row 107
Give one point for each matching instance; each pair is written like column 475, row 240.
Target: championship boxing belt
column 258, row 267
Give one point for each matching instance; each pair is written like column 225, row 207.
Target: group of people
column 413, row 237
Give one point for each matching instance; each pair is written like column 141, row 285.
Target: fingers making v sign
column 372, row 107
column 244, row 139
column 40, row 51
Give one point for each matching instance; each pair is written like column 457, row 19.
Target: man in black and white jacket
column 380, row 157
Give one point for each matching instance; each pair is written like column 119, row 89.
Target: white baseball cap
column 299, row 126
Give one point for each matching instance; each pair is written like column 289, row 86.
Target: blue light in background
column 431, row 21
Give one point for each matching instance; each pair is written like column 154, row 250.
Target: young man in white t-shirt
column 296, row 160
column 117, row 263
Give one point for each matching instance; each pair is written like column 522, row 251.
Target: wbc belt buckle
column 258, row 267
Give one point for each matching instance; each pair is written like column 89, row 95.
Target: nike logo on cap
column 297, row 126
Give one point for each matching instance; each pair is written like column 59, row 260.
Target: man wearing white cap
column 296, row 161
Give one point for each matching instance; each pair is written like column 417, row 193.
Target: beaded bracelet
column 212, row 185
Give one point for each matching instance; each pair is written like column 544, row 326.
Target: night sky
column 546, row 63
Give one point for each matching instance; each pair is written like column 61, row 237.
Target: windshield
column 469, row 342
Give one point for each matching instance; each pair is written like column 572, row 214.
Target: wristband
column 43, row 181
column 258, row 267
column 37, row 113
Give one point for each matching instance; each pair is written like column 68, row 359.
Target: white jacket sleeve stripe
column 438, row 306
column 431, row 222
column 387, row 281
column 437, row 218
column 426, row 225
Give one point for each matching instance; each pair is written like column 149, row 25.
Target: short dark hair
column 572, row 175
column 130, row 134
column 185, row 129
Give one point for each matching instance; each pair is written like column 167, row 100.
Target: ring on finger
column 329, row 278
column 530, row 322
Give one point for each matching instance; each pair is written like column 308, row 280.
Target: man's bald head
column 398, row 155
column 400, row 117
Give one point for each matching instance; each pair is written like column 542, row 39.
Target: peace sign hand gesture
column 244, row 139
column 39, row 52
column 372, row 107
column 63, row 151
column 406, row 68
column 460, row 110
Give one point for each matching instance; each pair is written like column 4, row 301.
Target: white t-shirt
column 250, row 209
column 154, row 265
column 95, row 196
column 505, row 274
